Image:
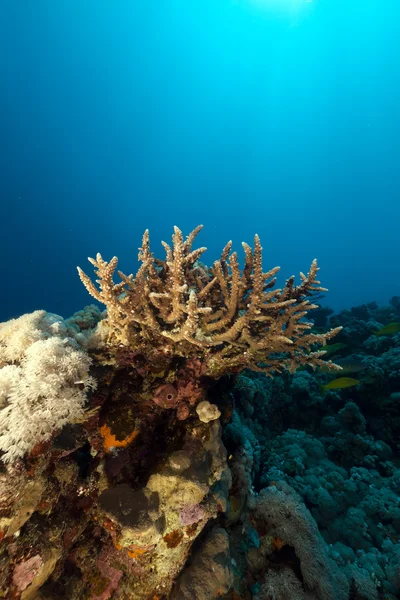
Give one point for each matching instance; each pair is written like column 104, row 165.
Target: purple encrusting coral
column 25, row 572
column 191, row 514
column 109, row 573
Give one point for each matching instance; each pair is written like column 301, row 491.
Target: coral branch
column 230, row 319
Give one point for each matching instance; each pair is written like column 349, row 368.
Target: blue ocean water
column 279, row 117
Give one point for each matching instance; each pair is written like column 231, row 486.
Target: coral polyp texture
column 44, row 377
column 230, row 318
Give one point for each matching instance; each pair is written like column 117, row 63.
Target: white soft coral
column 16, row 335
column 46, row 388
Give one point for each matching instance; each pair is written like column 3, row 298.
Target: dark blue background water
column 279, row 117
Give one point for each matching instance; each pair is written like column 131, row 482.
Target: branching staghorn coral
column 230, row 318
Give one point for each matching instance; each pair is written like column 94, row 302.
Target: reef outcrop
column 125, row 471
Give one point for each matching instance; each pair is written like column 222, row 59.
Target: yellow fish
column 341, row 383
column 331, row 348
column 388, row 329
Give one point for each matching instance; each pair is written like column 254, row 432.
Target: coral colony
column 227, row 318
column 150, row 452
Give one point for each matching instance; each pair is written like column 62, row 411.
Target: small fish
column 327, row 368
column 332, row 348
column 347, row 365
column 388, row 329
column 341, row 383
column 350, row 365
